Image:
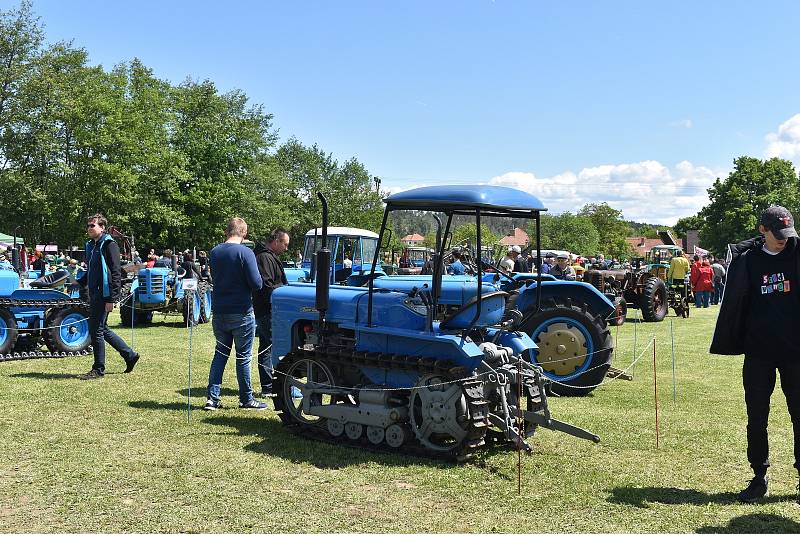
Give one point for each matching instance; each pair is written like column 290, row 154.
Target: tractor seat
column 52, row 280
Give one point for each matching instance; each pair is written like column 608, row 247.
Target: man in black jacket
column 759, row 316
column 272, row 276
column 103, row 279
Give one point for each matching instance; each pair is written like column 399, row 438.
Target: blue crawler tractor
column 397, row 369
column 44, row 314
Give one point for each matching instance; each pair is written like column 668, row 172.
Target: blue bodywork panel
column 561, row 289
column 456, row 290
column 443, row 197
column 9, row 282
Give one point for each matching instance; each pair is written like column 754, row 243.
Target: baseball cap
column 516, row 249
column 779, row 221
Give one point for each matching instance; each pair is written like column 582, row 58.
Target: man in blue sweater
column 236, row 276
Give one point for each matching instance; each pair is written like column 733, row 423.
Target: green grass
column 119, row 455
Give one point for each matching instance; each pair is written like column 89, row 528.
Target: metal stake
column 655, row 387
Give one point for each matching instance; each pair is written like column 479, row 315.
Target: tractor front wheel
column 8, row 331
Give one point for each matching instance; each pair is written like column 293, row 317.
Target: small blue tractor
column 352, row 253
column 437, row 367
column 166, row 290
column 45, row 313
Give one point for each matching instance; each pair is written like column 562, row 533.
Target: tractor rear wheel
column 205, row 291
column 67, row 330
column 654, row 303
column 575, row 346
column 191, row 307
column 8, row 331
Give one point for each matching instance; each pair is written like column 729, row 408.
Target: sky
column 638, row 104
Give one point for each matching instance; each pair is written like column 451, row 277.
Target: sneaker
column 253, row 405
column 91, row 375
column 212, row 405
column 756, row 490
column 130, row 364
column 267, row 393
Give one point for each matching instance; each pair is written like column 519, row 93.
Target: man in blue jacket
column 103, row 280
column 236, row 277
column 759, row 316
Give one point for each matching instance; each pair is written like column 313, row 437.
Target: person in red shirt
column 702, row 278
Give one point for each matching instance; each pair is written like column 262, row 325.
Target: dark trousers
column 100, row 333
column 264, row 332
column 758, row 376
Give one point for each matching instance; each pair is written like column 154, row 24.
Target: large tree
column 611, row 229
column 732, row 214
column 567, row 231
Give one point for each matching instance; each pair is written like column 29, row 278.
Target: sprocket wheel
column 439, row 414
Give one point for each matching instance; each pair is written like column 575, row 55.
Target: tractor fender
column 579, row 292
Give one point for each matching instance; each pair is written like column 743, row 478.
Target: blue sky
column 638, row 104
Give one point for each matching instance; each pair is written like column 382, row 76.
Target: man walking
column 103, row 281
column 235, row 278
column 759, row 316
column 272, row 276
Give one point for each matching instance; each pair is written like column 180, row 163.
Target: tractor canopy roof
column 466, row 199
column 342, row 231
column 671, row 248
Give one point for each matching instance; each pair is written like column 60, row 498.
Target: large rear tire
column 8, row 331
column 205, row 290
column 575, row 346
column 655, row 303
column 67, row 330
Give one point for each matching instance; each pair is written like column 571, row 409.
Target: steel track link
column 50, row 304
column 472, row 388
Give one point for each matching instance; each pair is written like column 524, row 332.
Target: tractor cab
column 352, row 253
column 658, row 259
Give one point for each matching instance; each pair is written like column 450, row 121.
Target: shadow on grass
column 201, row 392
column 47, row 376
column 748, row 524
column 278, row 441
column 641, row 497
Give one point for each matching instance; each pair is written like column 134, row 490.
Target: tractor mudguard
column 579, row 292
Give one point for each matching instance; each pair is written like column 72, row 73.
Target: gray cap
column 779, row 221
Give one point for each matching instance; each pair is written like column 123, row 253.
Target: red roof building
column 642, row 245
column 412, row 240
column 518, row 237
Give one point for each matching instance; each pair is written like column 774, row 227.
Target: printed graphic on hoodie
column 774, row 283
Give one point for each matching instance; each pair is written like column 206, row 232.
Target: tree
column 732, row 214
column 568, row 232
column 468, row 234
column 684, row 224
column 611, row 229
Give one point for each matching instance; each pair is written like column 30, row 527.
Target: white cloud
column 646, row 191
column 682, row 123
column 785, row 143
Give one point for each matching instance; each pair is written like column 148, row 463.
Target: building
column 517, row 237
column 642, row 245
column 412, row 240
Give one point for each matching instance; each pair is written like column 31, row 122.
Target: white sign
column 190, row 284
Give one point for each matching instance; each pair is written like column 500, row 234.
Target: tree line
column 168, row 164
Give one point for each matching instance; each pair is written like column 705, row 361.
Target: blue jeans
column 264, row 331
column 232, row 330
column 100, row 333
column 719, row 287
column 701, row 299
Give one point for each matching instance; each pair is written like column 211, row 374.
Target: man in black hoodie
column 272, row 276
column 759, row 316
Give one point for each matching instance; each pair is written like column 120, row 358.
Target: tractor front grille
column 595, row 278
column 156, row 283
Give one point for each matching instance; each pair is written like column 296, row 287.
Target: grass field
column 120, row 455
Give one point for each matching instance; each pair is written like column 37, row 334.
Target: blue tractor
column 438, row 367
column 165, row 290
column 43, row 314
